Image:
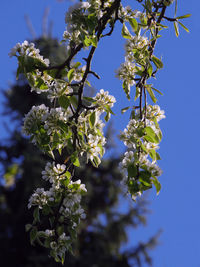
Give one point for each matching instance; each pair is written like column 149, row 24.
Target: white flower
column 126, row 72
column 40, row 198
column 28, row 49
column 33, row 119
column 103, row 98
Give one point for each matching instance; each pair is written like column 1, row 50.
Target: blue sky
column 176, row 209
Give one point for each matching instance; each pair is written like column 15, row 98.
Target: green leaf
column 156, row 184
column 33, row 235
column 176, row 29
column 78, row 64
column 63, row 101
column 124, row 109
column 88, row 83
column 107, row 117
column 28, row 227
column 157, row 90
column 132, row 170
column 161, row 25
column 126, row 88
column 160, row 135
column 158, row 156
column 92, row 119
column 87, row 41
column 73, row 100
column 68, row 174
column 133, row 23
column 39, row 83
column 96, row 161
column 91, row 22
column 143, row 148
column 70, row 75
column 36, row 215
column 148, row 6
column 99, row 132
column 60, row 230
column 152, row 154
column 75, row 159
column 32, row 63
column 151, row 136
column 101, row 150
column 67, row 180
column 108, row 109
column 63, row 126
column 184, row 16
column 150, row 70
column 89, row 99
column 137, row 93
column 183, row 26
column 125, row 32
column 157, row 62
column 176, row 5
column 151, row 93
column 91, row 40
column 63, row 259
column 94, row 41
column 145, row 178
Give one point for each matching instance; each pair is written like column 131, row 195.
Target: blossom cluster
column 63, row 190
column 142, row 137
column 28, row 49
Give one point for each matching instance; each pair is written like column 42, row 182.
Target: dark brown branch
column 95, row 74
column 169, row 19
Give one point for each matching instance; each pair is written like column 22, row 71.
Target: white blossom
column 28, row 49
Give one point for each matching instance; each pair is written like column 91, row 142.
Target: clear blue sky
column 176, row 210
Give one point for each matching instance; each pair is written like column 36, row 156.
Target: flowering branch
column 72, row 126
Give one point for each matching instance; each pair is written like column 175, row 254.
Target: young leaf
column 151, row 136
column 151, row 93
column 158, row 156
column 73, row 100
column 152, row 154
column 125, row 32
column 137, row 93
column 94, row 41
column 133, row 23
column 78, row 64
column 75, row 159
column 176, row 29
column 183, row 26
column 157, row 62
column 176, row 5
column 124, row 109
column 184, row 16
column 96, row 161
column 145, row 178
column 64, row 101
column 132, row 170
column 70, row 75
column 28, row 227
column 36, row 215
column 157, row 90
column 143, row 148
column 107, row 117
column 150, row 70
column 33, row 235
column 157, row 185
column 92, row 119
column 126, row 88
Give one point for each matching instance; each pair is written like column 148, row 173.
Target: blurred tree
column 103, row 232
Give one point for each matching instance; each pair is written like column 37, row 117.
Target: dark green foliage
column 101, row 234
